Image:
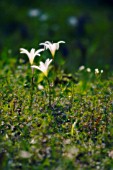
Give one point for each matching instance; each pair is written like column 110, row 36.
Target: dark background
column 86, row 27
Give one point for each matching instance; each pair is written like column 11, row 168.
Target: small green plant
column 43, row 67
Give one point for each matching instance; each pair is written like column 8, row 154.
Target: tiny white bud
column 88, row 70
column 101, row 71
column 81, row 68
column 40, row 87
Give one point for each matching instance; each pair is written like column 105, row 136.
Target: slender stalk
column 32, row 79
column 31, row 100
column 31, row 90
column 49, row 85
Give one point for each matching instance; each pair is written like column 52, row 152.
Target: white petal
column 48, row 42
column 42, row 44
column 52, row 48
column 61, row 42
column 48, row 61
column 35, row 67
column 32, row 51
column 22, row 50
column 32, row 55
column 39, row 68
column 38, row 51
column 57, row 45
column 46, row 46
column 42, row 66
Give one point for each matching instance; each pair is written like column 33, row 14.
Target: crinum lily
column 43, row 67
column 52, row 46
column 31, row 55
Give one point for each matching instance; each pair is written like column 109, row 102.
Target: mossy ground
column 74, row 133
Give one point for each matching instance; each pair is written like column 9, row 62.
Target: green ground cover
column 75, row 130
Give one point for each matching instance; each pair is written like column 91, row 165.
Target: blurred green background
column 86, row 27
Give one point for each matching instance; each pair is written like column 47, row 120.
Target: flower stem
column 31, row 100
column 32, row 79
column 31, row 91
column 49, row 92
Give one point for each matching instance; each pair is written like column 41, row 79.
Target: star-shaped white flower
column 43, row 66
column 31, row 55
column 52, row 46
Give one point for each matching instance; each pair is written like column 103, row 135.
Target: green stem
column 49, row 92
column 32, row 79
column 31, row 100
column 31, row 91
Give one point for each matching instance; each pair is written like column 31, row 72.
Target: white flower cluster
column 32, row 54
column 97, row 71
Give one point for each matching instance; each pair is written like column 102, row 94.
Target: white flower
column 73, row 21
column 96, row 71
column 31, row 55
column 52, row 46
column 43, row 66
column 40, row 87
column 43, row 17
column 101, row 71
column 34, row 12
column 81, row 68
column 110, row 154
column 88, row 70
